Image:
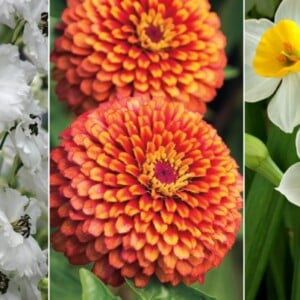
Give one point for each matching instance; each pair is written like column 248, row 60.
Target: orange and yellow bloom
column 142, row 188
column 169, row 48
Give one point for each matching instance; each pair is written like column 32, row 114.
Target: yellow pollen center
column 165, row 171
column 278, row 51
column 154, row 31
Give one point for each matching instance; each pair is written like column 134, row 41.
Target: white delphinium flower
column 35, row 182
column 7, row 12
column 30, row 140
column 39, row 92
column 272, row 64
column 15, row 76
column 35, row 36
column 290, row 182
column 19, row 251
column 14, row 287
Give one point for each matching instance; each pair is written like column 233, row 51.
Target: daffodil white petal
column 289, row 185
column 298, row 143
column 288, row 9
column 258, row 88
column 253, row 32
column 284, row 108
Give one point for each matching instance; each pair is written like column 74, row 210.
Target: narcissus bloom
column 290, row 182
column 144, row 188
column 272, row 64
column 168, row 47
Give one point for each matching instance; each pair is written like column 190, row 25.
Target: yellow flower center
column 154, row 31
column 165, row 171
column 278, row 51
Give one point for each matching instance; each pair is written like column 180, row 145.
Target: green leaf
column 93, row 288
column 264, row 211
column 267, row 7
column 294, row 213
column 155, row 290
column 64, row 278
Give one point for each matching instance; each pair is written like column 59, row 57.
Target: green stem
column 17, row 164
column 270, row 171
column 3, row 140
column 18, row 29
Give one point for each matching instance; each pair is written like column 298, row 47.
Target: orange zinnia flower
column 144, row 188
column 128, row 47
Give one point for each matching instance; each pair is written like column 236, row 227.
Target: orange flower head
column 169, row 48
column 142, row 188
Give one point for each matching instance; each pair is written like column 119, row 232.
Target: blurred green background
column 225, row 113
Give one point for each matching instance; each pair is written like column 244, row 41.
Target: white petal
column 290, row 184
column 288, row 9
column 284, row 108
column 298, row 143
column 253, row 32
column 36, row 47
column 258, row 88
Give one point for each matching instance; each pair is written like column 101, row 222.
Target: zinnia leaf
column 155, row 290
column 93, row 288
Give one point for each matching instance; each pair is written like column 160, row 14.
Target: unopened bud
column 259, row 160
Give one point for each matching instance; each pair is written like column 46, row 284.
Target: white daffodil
column 15, row 77
column 272, row 64
column 19, row 251
column 290, row 182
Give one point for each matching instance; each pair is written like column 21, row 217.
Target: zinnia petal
column 142, row 188
column 108, row 48
column 284, row 108
column 289, row 185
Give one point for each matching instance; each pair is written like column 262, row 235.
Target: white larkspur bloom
column 15, row 77
column 39, row 92
column 35, row 182
column 35, row 35
column 290, row 182
column 7, row 12
column 14, row 287
column 30, row 140
column 19, row 251
column 272, row 61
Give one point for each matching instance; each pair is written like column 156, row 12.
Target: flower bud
column 258, row 159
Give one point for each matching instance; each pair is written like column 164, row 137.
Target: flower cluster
column 23, row 147
column 169, row 48
column 141, row 185
column 143, row 188
column 273, row 70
